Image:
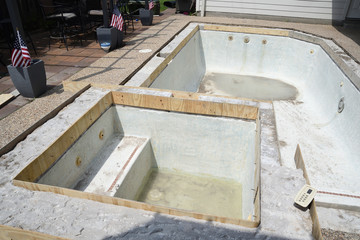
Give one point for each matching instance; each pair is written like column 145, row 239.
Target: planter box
column 146, row 17
column 119, row 38
column 29, row 81
column 107, row 38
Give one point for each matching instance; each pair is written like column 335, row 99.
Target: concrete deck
column 116, row 68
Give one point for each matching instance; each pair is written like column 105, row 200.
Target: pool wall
column 321, row 71
column 154, row 151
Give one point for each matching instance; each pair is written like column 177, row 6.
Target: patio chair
column 62, row 22
column 128, row 16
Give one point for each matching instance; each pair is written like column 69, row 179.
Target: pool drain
column 101, row 134
column 341, row 105
column 246, row 40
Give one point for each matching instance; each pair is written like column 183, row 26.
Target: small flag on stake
column 117, row 20
column 20, row 56
column 151, row 5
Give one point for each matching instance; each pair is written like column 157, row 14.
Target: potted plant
column 28, row 75
column 110, row 36
column 146, row 14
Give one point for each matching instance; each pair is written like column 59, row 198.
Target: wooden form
column 185, row 105
column 43, row 162
column 11, row 233
column 251, row 30
column 257, row 178
column 4, row 98
column 299, row 162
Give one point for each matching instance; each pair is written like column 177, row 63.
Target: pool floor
column 203, row 194
column 253, row 87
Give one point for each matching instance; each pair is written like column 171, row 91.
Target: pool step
column 102, row 179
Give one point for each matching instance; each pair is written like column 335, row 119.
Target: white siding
column 317, row 9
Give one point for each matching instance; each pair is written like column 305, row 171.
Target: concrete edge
column 9, row 146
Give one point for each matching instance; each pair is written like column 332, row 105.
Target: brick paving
column 60, row 64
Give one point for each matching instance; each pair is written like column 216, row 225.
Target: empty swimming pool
column 162, row 160
column 312, row 83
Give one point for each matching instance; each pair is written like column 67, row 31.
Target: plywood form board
column 11, row 233
column 39, row 165
column 185, row 105
column 4, row 98
column 316, row 229
column 257, row 178
column 132, row 204
column 264, row 31
column 43, row 162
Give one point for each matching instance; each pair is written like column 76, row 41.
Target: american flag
column 151, row 5
column 117, row 20
column 20, row 56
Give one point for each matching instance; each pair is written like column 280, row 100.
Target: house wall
column 316, row 9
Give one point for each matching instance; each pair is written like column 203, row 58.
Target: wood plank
column 265, row 31
column 74, row 86
column 299, row 162
column 257, row 176
column 5, row 98
column 12, row 233
column 39, row 165
column 185, row 105
column 132, row 204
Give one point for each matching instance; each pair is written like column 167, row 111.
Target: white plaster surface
column 185, row 71
column 219, row 147
column 329, row 140
column 83, row 219
column 339, row 219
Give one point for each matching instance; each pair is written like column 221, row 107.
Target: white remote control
column 305, row 196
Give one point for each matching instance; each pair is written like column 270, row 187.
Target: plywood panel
column 316, row 229
column 11, row 233
column 4, row 98
column 265, row 31
column 185, row 105
column 51, row 154
column 132, row 204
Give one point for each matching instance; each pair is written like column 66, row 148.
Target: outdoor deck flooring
column 60, row 64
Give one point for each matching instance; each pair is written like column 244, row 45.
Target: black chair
column 128, row 16
column 62, row 22
column 8, row 34
column 94, row 12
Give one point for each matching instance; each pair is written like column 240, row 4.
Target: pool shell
column 125, row 100
column 327, row 80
